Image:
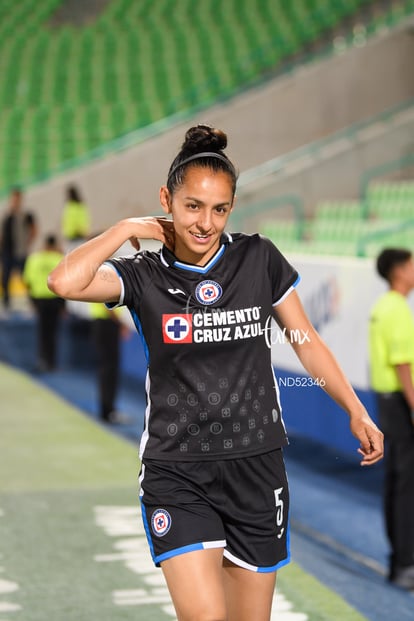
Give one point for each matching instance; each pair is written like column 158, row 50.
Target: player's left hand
column 370, row 437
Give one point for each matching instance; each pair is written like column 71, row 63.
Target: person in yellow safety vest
column 47, row 305
column 391, row 355
column 76, row 217
column 107, row 331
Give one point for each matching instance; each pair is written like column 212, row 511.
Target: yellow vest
column 391, row 340
column 36, row 270
column 98, row 310
column 75, row 220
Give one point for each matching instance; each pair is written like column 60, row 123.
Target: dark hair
column 73, row 194
column 203, row 146
column 51, row 240
column 390, row 258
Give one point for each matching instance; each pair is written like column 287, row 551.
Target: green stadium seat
column 391, row 201
column 280, row 230
column 339, row 210
column 139, row 61
column 13, row 145
column 118, row 117
column 66, row 129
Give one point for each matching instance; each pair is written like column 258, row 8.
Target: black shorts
column 241, row 505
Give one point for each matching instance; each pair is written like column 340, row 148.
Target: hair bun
column 203, row 138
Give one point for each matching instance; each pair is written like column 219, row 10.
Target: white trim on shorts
column 192, row 547
column 260, row 570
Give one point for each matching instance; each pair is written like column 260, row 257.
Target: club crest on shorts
column 208, row 292
column 160, row 522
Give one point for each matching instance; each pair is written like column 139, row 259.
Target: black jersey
column 211, row 389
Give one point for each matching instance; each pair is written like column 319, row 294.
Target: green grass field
column 72, row 546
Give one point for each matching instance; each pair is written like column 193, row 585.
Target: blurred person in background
column 18, row 232
column 48, row 307
column 107, row 332
column 75, row 218
column 391, row 352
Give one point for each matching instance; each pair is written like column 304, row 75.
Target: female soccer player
column 214, row 493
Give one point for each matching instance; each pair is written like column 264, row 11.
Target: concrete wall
column 332, row 173
column 262, row 123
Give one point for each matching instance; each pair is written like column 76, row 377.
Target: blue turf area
column 336, row 516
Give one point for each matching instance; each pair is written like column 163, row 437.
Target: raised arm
column 321, row 364
column 81, row 274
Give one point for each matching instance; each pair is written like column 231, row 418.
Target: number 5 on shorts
column 279, row 506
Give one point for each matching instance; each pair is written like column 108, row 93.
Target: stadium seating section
column 385, row 217
column 67, row 89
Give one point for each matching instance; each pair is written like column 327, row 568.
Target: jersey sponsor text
column 213, row 327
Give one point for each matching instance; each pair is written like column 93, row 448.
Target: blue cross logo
column 208, row 293
column 176, row 328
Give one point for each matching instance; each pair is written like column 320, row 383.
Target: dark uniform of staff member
column 47, row 305
column 18, row 231
column 107, row 331
column 391, row 340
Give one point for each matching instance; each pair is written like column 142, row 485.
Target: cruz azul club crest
column 161, row 522
column 178, row 328
column 208, row 292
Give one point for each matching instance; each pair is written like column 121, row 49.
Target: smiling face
column 200, row 208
